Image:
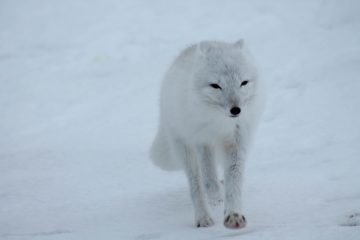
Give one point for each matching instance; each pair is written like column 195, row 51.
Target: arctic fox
column 211, row 100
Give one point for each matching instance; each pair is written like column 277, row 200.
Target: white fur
column 195, row 123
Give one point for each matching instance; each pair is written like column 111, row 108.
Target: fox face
column 226, row 79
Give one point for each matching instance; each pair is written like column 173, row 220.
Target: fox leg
column 192, row 170
column 233, row 172
column 209, row 174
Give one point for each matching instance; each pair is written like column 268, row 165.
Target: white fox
column 211, row 100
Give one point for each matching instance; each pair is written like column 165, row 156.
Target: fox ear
column 240, row 43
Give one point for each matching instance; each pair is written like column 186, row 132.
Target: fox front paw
column 205, row 221
column 234, row 221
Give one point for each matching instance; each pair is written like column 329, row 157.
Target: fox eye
column 216, row 86
column 244, row 83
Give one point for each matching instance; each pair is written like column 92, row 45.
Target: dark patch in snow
column 37, row 234
column 352, row 220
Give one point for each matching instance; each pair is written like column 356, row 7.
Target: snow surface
column 79, row 89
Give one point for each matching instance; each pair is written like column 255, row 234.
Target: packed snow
column 79, row 93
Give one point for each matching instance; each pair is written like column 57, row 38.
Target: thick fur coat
column 211, row 101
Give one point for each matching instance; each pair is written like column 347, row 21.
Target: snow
column 79, row 89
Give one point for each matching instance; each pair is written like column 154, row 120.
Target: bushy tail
column 161, row 154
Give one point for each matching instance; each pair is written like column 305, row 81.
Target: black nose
column 235, row 110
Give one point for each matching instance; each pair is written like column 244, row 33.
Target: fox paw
column 205, row 221
column 235, row 221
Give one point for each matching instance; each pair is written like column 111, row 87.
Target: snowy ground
column 79, row 84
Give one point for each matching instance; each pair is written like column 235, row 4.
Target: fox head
column 226, row 78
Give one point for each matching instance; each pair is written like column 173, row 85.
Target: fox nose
column 235, row 111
